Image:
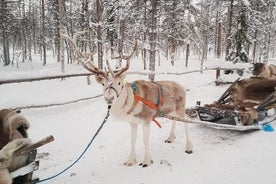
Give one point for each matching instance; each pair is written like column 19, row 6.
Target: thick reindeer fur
column 248, row 93
column 12, row 126
column 124, row 106
column 13, row 131
column 264, row 70
column 252, row 90
column 7, row 159
column 173, row 100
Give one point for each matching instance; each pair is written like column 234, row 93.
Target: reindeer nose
column 109, row 100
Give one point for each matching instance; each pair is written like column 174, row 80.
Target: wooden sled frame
column 221, row 112
column 24, row 174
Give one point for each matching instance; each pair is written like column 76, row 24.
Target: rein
column 82, row 154
column 150, row 104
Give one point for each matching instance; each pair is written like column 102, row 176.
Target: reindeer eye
column 103, row 84
column 119, row 83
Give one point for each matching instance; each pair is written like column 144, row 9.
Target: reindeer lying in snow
column 264, row 70
column 135, row 101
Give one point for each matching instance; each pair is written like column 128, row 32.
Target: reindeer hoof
column 170, row 139
column 189, row 152
column 128, row 164
column 146, row 165
column 143, row 165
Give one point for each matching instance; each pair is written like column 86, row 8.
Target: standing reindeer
column 135, row 101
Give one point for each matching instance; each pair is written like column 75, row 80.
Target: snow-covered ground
column 220, row 156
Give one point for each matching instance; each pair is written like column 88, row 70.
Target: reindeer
column 135, row 101
column 7, row 159
column 264, row 70
column 13, row 134
column 12, row 126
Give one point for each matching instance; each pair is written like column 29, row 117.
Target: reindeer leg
column 172, row 133
column 132, row 157
column 189, row 146
column 147, row 158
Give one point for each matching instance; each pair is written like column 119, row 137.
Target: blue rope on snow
column 91, row 141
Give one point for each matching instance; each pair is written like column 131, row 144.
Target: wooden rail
column 9, row 81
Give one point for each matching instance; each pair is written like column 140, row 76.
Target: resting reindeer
column 134, row 101
column 13, row 127
column 264, row 70
column 7, row 158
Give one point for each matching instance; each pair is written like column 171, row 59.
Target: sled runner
column 243, row 106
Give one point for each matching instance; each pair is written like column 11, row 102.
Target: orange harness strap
column 152, row 105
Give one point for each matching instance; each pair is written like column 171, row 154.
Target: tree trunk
column 60, row 38
column 24, row 25
column 99, row 33
column 187, row 54
column 29, row 29
column 34, row 27
column 5, row 33
column 173, row 41
column 189, row 32
column 43, row 31
column 219, row 37
column 91, row 50
column 56, row 28
column 205, row 14
column 144, row 52
column 229, row 29
column 254, row 46
column 121, row 34
column 152, row 38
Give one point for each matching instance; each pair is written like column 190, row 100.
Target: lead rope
column 89, row 144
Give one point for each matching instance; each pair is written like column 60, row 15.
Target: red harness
column 149, row 103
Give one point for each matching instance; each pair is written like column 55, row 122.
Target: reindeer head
column 257, row 68
column 112, row 81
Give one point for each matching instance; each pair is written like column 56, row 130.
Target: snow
column 220, row 156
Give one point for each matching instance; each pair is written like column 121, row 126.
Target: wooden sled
column 24, row 175
column 229, row 113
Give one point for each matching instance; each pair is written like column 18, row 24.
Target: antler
column 83, row 58
column 127, row 58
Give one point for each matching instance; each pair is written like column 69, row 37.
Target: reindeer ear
column 99, row 78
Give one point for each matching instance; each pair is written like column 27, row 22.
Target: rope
column 89, row 144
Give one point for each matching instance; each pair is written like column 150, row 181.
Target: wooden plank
column 25, row 170
column 9, row 81
column 214, row 125
column 32, row 157
column 34, row 146
column 226, row 93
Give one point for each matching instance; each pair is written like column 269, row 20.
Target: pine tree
column 239, row 39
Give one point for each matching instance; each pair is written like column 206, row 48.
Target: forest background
column 237, row 30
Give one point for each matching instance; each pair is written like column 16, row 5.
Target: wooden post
column 217, row 75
